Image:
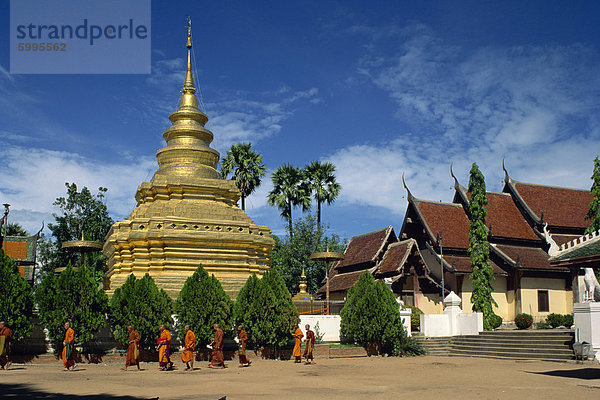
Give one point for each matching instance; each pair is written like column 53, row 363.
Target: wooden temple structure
column 524, row 222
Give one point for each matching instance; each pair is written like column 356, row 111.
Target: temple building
column 525, row 223
column 187, row 214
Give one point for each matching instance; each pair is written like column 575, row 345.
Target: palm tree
column 247, row 168
column 323, row 185
column 289, row 190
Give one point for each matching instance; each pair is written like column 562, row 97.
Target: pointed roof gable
column 395, row 256
column 525, row 258
column 558, row 206
column 367, row 248
column 448, row 218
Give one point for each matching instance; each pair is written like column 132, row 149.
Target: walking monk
column 188, row 350
column 243, row 341
column 5, row 336
column 297, row 335
column 164, row 349
column 133, row 349
column 310, row 345
column 67, row 352
column 216, row 357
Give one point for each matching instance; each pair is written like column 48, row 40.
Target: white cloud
column 534, row 106
column 33, row 178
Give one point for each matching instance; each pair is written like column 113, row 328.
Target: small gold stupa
column 187, row 214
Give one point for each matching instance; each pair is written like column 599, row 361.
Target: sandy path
column 373, row 378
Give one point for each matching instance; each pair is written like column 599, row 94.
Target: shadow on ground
column 583, row 373
column 25, row 392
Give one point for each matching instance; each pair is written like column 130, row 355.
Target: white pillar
column 586, row 317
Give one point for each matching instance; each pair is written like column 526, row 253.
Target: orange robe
column 7, row 333
column 298, row 335
column 310, row 345
column 133, row 349
column 164, row 350
column 243, row 336
column 189, row 344
column 217, row 358
column 69, row 339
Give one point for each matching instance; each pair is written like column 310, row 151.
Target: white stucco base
column 586, row 317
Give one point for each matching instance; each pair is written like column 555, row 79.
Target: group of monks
column 163, row 346
column 310, row 344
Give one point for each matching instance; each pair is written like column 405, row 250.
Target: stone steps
column 551, row 345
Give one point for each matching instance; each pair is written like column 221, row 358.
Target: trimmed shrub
column 73, row 296
column 494, row 321
column 201, row 303
column 556, row 320
column 243, row 306
column 16, row 302
column 543, row 325
column 272, row 311
column 415, row 318
column 141, row 304
column 523, row 321
column 371, row 317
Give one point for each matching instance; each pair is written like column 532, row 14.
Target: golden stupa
column 187, row 214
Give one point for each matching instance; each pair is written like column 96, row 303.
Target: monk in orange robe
column 5, row 337
column 216, row 357
column 68, row 348
column 243, row 341
column 189, row 343
column 164, row 349
column 133, row 349
column 297, row 335
column 310, row 345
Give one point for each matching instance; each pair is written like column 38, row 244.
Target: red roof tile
column 463, row 264
column 365, row 248
column 342, row 282
column 448, row 218
column 562, row 239
column 528, row 257
column 560, row 206
column 395, row 256
column 505, row 218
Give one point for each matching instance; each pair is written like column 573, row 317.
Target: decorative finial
column 410, row 196
column 188, row 84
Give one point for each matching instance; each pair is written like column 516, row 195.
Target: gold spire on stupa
column 302, row 293
column 187, row 214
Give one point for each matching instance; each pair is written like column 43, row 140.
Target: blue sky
column 377, row 88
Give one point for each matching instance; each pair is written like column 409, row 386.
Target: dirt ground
column 425, row 377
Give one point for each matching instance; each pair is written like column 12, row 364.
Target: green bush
column 567, row 320
column 371, row 316
column 141, row 304
column 543, row 325
column 201, row 303
column 242, row 308
column 556, row 320
column 73, row 296
column 270, row 310
column 494, row 321
column 523, row 321
column 415, row 318
column 16, row 301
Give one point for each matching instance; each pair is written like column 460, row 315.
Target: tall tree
column 289, row 190
column 16, row 301
column 73, row 296
column 246, row 166
column 479, row 251
column 140, row 303
column 322, row 183
column 15, row 229
column 201, row 303
column 594, row 212
column 82, row 214
column 290, row 254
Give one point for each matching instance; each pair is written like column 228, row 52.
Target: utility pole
column 6, row 207
column 441, row 263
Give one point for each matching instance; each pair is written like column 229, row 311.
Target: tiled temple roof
column 505, row 219
column 366, row 248
column 448, row 218
column 529, row 258
column 559, row 206
column 395, row 256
